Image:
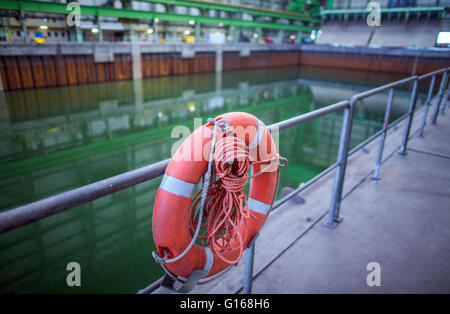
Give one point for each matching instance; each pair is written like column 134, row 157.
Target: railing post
column 338, row 185
column 248, row 272
column 387, row 114
column 412, row 107
column 440, row 97
column 427, row 105
column 445, row 99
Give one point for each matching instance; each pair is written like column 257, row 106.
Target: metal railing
column 26, row 214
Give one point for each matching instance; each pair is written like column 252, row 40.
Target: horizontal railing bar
column 382, row 88
column 152, row 287
column 424, row 76
column 289, row 123
column 55, row 204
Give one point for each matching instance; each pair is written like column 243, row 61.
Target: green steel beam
column 329, row 4
column 60, row 8
column 389, row 10
column 212, row 5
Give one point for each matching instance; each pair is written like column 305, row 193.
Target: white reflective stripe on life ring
column 209, row 260
column 258, row 206
column 177, row 186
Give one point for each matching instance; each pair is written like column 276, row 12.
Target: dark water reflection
column 53, row 140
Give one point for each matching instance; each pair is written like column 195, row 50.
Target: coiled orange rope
column 227, row 207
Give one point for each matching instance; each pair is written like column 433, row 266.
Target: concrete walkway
column 401, row 222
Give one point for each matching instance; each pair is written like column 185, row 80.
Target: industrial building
column 160, row 21
column 231, row 21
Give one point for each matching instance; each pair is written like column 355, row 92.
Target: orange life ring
column 171, row 210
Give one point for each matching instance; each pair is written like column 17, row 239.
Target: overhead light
column 149, row 31
column 220, row 24
column 95, row 30
column 186, row 32
column 191, row 106
column 160, row 115
column 191, row 22
column 156, row 20
column 292, row 37
column 443, row 38
column 43, row 27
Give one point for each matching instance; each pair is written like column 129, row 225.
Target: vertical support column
column 412, row 107
column 5, row 28
column 23, row 26
column 231, row 34
column 138, row 96
column 174, row 34
column 132, row 34
column 445, row 102
column 427, row 105
column 197, row 33
column 338, row 184
column 218, row 83
column 78, row 34
column 156, row 30
column 248, row 271
column 100, row 31
column 153, row 34
column 280, row 36
column 219, row 59
column 298, row 38
column 440, row 97
column 136, row 61
column 387, row 114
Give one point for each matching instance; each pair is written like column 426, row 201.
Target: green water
column 57, row 139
